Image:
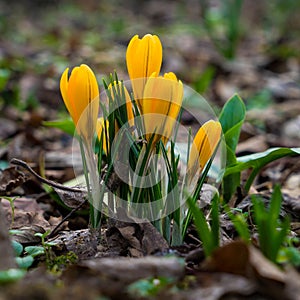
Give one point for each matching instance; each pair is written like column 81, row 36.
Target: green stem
column 92, row 181
column 197, row 193
column 141, row 168
column 251, row 179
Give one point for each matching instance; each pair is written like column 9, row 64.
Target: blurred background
column 216, row 47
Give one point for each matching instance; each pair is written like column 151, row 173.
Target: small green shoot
column 17, row 247
column 240, row 223
column 289, row 255
column 272, row 231
column 223, row 25
column 34, row 250
column 11, row 275
column 12, row 205
column 54, row 263
column 202, row 83
column 150, row 287
column 232, row 118
column 46, row 246
column 209, row 235
column 4, row 77
column 25, row 261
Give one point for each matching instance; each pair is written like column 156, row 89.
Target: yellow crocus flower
column 80, row 93
column 204, row 145
column 143, row 58
column 161, row 104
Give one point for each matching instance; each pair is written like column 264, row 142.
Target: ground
column 39, row 39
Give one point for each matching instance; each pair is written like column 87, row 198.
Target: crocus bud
column 204, row 145
column 161, row 104
column 143, row 58
column 80, row 93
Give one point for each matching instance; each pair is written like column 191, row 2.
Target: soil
column 128, row 260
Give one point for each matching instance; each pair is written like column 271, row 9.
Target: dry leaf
column 26, row 235
column 27, row 213
column 73, row 199
column 215, row 286
column 242, row 259
column 134, row 238
column 10, row 179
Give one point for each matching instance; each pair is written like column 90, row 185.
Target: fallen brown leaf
column 27, row 213
column 242, row 259
column 10, row 179
column 26, row 235
column 134, row 238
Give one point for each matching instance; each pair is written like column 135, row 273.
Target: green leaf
column 257, row 161
column 4, row 77
column 202, row 228
column 15, row 231
column 271, row 231
column 34, row 250
column 231, row 118
column 230, row 183
column 50, row 244
column 232, row 114
column 215, row 222
column 280, row 236
column 240, row 224
column 290, row 255
column 25, row 262
column 148, row 287
column 232, row 137
column 204, row 80
column 18, row 248
column 4, row 164
column 66, row 125
column 275, row 205
column 11, row 275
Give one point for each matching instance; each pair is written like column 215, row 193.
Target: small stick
column 52, row 233
column 54, row 184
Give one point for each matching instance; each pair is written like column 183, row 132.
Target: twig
column 52, row 233
column 54, row 184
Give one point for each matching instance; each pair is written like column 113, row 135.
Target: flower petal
column 80, row 94
column 162, row 99
column 64, row 91
column 204, row 144
column 143, row 57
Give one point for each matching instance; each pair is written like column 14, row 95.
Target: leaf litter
column 125, row 253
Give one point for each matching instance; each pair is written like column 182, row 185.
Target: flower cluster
column 156, row 101
column 159, row 99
